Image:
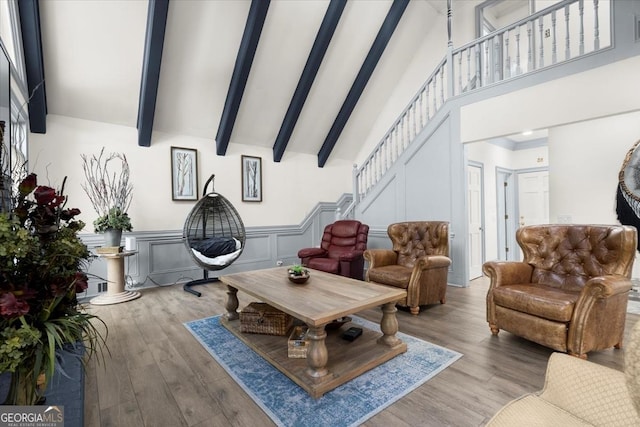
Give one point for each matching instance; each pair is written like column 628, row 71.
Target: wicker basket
column 261, row 318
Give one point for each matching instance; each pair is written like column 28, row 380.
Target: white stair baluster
column 486, row 61
column 596, row 33
column 567, row 52
column 478, row 80
column 541, row 26
column 530, row 53
column 426, row 101
column 442, row 85
column 554, row 44
column 581, row 39
column 496, row 61
column 468, row 69
column 518, row 65
column 507, row 62
column 435, row 93
column 460, row 73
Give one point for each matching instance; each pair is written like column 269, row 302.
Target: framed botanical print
column 184, row 173
column 251, row 179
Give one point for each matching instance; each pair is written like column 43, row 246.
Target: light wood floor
column 158, row 375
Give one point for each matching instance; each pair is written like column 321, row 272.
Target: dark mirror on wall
column 5, row 131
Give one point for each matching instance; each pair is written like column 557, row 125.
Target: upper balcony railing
column 565, row 31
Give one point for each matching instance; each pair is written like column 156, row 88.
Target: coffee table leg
column 317, row 355
column 389, row 325
column 232, row 303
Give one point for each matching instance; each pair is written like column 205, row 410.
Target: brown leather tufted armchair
column 419, row 262
column 570, row 292
column 340, row 251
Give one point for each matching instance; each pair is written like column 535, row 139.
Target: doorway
column 506, row 162
column 533, row 198
column 475, row 201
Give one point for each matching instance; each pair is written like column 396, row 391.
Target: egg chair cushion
column 214, row 246
column 222, row 259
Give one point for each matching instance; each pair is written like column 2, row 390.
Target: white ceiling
column 93, row 52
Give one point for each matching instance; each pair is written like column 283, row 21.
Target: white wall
column 585, row 161
column 290, row 189
column 599, row 92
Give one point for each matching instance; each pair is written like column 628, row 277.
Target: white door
column 474, row 198
column 533, row 198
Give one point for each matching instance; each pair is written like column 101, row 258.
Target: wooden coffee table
column 331, row 360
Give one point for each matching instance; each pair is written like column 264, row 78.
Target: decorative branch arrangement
column 109, row 191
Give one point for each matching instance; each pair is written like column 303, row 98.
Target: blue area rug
column 348, row 405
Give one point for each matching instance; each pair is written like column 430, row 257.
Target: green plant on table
column 114, row 219
column 298, row 270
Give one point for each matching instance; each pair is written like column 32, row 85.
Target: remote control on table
column 352, row 333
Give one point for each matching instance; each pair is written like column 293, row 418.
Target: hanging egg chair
column 213, row 234
column 628, row 191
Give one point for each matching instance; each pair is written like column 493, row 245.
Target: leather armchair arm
column 587, row 312
column 380, row 257
column 507, row 272
column 311, row 253
column 607, row 286
column 503, row 273
column 432, row 261
column 350, row 256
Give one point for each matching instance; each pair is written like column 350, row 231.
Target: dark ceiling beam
column 320, row 45
column 153, row 44
column 29, row 11
column 368, row 66
column 244, row 60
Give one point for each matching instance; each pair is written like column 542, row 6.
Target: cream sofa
column 581, row 393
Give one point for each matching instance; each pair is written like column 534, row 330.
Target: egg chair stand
column 213, row 234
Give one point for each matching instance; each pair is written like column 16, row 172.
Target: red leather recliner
column 341, row 250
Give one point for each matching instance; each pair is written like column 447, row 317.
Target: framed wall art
column 251, row 179
column 184, row 174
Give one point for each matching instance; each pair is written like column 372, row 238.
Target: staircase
column 564, row 32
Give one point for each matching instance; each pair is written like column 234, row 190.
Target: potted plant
column 110, row 192
column 298, row 270
column 42, row 268
column 298, row 274
column 112, row 225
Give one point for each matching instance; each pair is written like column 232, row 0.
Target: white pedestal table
column 115, row 280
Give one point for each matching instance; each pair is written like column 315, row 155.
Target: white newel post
column 450, row 73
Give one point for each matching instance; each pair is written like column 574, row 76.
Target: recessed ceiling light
column 527, row 132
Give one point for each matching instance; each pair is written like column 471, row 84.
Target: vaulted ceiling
column 293, row 75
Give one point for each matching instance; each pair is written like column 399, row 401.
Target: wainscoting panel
column 288, row 245
column 256, row 249
column 168, row 256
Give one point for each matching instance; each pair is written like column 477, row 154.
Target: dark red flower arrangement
column 43, row 267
